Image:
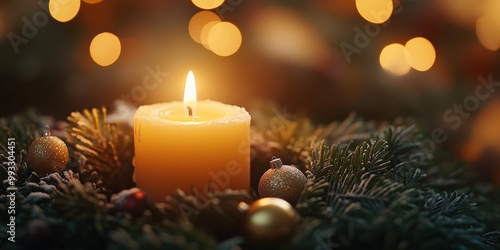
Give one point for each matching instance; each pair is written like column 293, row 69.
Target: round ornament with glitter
column 282, row 181
column 48, row 154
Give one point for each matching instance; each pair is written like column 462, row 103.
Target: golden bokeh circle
column 224, row 38
column 420, row 53
column 375, row 11
column 105, row 49
column 392, row 59
column 204, row 33
column 64, row 10
column 199, row 21
column 207, row 4
column 487, row 33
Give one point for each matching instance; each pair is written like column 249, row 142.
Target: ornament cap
column 46, row 130
column 276, row 162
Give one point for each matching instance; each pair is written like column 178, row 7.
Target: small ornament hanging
column 282, row 181
column 47, row 154
column 270, row 222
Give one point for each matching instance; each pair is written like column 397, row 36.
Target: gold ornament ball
column 48, row 154
column 282, row 181
column 270, row 222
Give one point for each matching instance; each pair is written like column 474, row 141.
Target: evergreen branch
column 313, row 233
column 374, row 196
column 355, row 176
column 293, row 139
column 407, row 175
column 492, row 239
column 24, row 128
column 402, row 224
column 406, row 152
column 446, row 205
column 448, row 175
column 107, row 148
column 164, row 235
column 364, row 183
column 350, row 129
column 218, row 212
column 312, row 200
column 81, row 212
column 21, row 175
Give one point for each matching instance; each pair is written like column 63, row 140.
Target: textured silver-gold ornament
column 282, row 181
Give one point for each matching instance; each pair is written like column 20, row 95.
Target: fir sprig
column 24, row 128
column 368, row 206
column 107, row 148
column 407, row 153
column 164, row 235
column 219, row 213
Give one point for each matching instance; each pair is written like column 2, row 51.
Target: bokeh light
column 198, row 22
column 488, row 25
column 420, row 53
column 375, row 11
column 207, row 4
column 392, row 59
column 204, row 33
column 64, row 10
column 92, row 1
column 224, row 38
column 488, row 33
column 284, row 35
column 484, row 132
column 105, row 48
column 491, row 9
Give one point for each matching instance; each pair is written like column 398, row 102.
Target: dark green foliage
column 371, row 203
column 106, row 148
column 25, row 128
column 218, row 213
column 163, row 235
column 368, row 187
column 406, row 153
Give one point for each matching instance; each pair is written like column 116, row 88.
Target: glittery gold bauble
column 282, row 181
column 270, row 222
column 48, row 154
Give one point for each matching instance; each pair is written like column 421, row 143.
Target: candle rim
column 232, row 114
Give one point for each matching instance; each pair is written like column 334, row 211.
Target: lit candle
column 197, row 146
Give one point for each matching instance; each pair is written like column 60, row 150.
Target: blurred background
column 436, row 61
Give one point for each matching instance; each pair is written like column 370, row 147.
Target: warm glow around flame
column 190, row 95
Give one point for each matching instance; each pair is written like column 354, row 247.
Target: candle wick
column 190, row 111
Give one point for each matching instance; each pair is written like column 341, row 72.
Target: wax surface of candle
column 173, row 150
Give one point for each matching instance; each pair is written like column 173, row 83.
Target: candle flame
column 190, row 95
